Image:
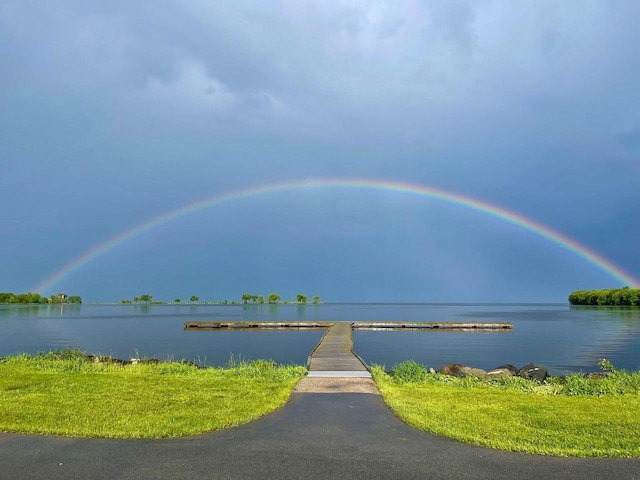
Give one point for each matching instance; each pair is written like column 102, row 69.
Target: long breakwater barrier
column 432, row 325
column 249, row 324
column 377, row 325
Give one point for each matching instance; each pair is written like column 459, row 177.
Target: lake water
column 561, row 337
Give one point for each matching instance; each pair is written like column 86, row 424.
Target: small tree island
column 625, row 296
column 36, row 298
column 273, row 298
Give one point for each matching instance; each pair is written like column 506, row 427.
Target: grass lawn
column 579, row 417
column 64, row 393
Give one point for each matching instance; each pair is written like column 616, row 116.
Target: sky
column 117, row 113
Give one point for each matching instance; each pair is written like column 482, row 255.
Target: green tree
column 622, row 296
column 260, row 299
column 34, row 298
column 194, row 298
column 5, row 296
column 316, row 299
column 248, row 297
column 59, row 298
column 146, row 298
column 177, row 300
column 273, row 298
column 300, row 298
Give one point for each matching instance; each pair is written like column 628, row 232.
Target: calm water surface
column 561, row 337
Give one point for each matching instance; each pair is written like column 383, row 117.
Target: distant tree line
column 616, row 296
column 36, row 298
column 145, row 298
column 246, row 298
column 276, row 298
column 192, row 299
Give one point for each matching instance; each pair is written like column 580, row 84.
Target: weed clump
column 411, row 372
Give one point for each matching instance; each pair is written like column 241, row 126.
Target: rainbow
column 368, row 184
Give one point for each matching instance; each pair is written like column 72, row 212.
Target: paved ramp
column 313, row 437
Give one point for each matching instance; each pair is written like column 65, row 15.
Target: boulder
column 502, row 372
column 473, row 372
column 514, row 371
column 534, row 372
column 454, row 369
column 432, row 371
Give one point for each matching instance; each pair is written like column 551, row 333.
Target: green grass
column 577, row 417
column 64, row 393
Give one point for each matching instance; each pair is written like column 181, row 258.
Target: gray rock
column 432, row 371
column 501, row 372
column 459, row 370
column 473, row 372
column 454, row 369
column 534, row 372
column 514, row 371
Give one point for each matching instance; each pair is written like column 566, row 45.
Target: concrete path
column 315, row 436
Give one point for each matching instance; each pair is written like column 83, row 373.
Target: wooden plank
column 335, row 351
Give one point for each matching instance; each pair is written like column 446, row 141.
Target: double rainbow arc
column 363, row 184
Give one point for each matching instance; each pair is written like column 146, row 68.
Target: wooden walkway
column 334, row 357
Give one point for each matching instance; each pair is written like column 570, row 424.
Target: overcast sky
column 113, row 113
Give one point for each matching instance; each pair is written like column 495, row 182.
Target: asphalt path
column 314, row 436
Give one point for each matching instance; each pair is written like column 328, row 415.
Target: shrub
column 410, row 371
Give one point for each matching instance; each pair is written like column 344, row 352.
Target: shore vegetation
column 573, row 416
column 247, row 298
column 71, row 394
column 35, row 298
column 625, row 296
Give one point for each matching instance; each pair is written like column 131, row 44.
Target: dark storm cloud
column 114, row 112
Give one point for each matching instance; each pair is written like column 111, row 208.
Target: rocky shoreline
column 531, row 371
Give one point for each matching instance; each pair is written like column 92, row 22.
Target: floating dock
column 333, row 357
column 386, row 325
column 464, row 326
column 260, row 325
